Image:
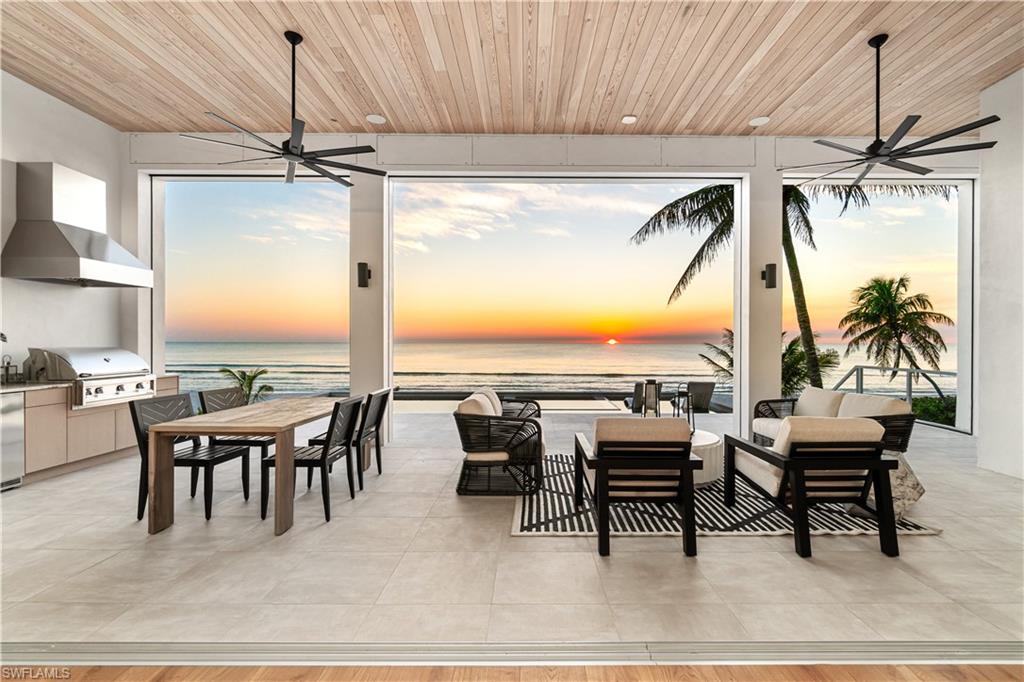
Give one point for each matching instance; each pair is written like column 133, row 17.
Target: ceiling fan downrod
column 293, row 38
column 876, row 42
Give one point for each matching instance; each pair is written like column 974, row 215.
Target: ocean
column 456, row 366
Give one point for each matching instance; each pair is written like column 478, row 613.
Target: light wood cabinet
column 124, row 430
column 91, row 434
column 46, row 442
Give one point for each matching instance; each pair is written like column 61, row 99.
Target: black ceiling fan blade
column 833, row 172
column 863, row 174
column 909, row 167
column 340, row 151
column 952, row 132
column 258, row 158
column 295, row 141
column 348, row 166
column 840, row 147
column 327, row 174
column 289, row 177
column 901, row 132
column 273, row 147
column 230, row 144
column 947, row 150
column 814, row 165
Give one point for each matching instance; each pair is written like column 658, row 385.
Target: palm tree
column 794, row 362
column 246, row 380
column 894, row 326
column 712, row 209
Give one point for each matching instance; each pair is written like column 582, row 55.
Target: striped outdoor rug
column 552, row 512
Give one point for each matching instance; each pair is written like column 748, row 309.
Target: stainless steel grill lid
column 68, row 364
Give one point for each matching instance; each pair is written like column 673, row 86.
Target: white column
column 1000, row 281
column 370, row 307
column 758, row 310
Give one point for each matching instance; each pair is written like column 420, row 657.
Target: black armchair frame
column 670, row 456
column 898, row 427
column 521, row 438
column 828, row 466
column 522, row 408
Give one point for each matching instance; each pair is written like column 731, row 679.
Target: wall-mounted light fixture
column 363, row 275
column 768, row 275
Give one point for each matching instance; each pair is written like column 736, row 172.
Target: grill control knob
column 98, row 390
column 140, row 386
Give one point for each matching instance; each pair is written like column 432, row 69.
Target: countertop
column 33, row 386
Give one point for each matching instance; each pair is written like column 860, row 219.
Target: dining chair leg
column 359, row 462
column 208, row 490
column 264, row 489
column 325, row 491
column 245, row 475
column 376, row 444
column 351, row 477
column 143, row 489
column 195, row 479
column 309, row 478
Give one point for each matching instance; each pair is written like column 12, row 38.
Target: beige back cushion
column 863, row 405
column 638, row 429
column 477, row 403
column 817, row 402
column 807, row 430
column 493, row 397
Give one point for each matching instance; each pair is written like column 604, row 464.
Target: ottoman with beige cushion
column 503, row 453
column 895, row 416
column 637, row 460
column 817, row 460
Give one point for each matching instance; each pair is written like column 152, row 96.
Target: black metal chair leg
column 325, row 491
column 208, row 490
column 359, row 463
column 577, row 476
column 245, row 475
column 603, row 518
column 730, row 474
column 264, row 489
column 351, row 476
column 143, row 489
column 884, row 511
column 689, row 513
column 801, row 524
column 309, row 477
column 376, row 445
column 194, row 471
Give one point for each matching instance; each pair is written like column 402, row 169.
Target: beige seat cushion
column 493, row 397
column 817, row 402
column 477, row 403
column 766, row 426
column 487, row 457
column 639, row 429
column 807, row 430
column 864, row 405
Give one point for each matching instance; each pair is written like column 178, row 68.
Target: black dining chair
column 635, row 404
column 337, row 444
column 369, row 429
column 219, row 399
column 694, row 399
column 195, row 455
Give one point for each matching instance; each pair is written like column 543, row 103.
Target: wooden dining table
column 278, row 418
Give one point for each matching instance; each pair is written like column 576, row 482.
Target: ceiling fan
column 291, row 150
column 886, row 153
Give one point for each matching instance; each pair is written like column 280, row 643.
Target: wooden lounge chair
column 817, row 460
column 637, row 460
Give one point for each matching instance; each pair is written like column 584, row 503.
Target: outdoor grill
column 101, row 376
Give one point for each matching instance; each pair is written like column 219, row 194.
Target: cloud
column 899, row 211
column 261, row 239
column 552, row 232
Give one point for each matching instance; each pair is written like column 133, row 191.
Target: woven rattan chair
column 225, row 399
column 512, row 407
column 194, row 455
column 337, row 446
column 503, row 454
column 818, row 460
column 637, row 460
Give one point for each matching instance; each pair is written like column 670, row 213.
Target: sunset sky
column 509, row 260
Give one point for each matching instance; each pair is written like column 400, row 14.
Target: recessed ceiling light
column 629, row 119
column 376, row 119
column 759, row 121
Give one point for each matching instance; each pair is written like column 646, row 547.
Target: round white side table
column 710, row 448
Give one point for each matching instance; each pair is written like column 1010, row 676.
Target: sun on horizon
column 612, row 342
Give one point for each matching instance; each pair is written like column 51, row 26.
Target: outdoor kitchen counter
column 33, row 386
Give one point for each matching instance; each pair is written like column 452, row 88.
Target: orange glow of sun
column 612, row 342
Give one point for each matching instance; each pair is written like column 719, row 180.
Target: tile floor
column 409, row 561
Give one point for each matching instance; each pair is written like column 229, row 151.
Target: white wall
column 1000, row 277
column 38, row 127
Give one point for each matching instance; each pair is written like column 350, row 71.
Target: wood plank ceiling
column 510, row 66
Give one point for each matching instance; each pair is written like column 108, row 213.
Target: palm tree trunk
column 803, row 319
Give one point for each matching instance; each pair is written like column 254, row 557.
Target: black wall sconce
column 363, row 275
column 768, row 275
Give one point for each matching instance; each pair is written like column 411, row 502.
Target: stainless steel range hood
column 60, row 234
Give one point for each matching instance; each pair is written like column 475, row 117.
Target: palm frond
column 708, row 207
column 797, row 206
column 705, row 254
